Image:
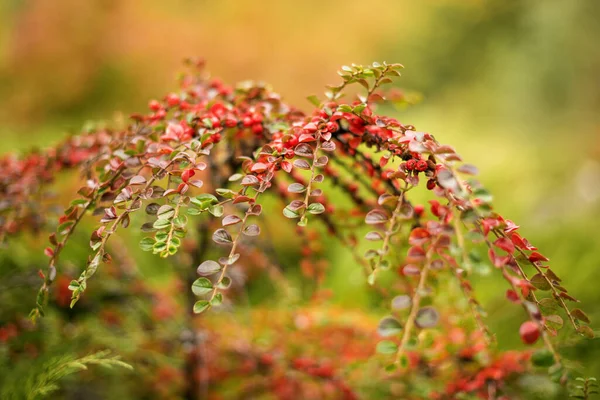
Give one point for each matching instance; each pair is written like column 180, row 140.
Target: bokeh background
column 514, row 85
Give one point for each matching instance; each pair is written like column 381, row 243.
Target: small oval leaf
column 427, row 317
column 221, row 236
column 202, row 286
column 208, row 268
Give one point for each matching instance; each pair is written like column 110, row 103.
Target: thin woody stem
column 541, row 272
column 389, row 231
column 465, row 285
column 231, row 252
column 416, row 303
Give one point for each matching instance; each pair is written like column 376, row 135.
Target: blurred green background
column 514, row 85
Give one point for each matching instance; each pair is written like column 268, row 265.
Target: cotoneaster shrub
column 194, row 173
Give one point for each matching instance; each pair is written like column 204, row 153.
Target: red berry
column 154, row 105
column 160, row 114
column 430, row 184
column 421, row 165
column 257, row 128
column 530, row 332
column 411, row 164
column 247, row 121
column 172, row 99
column 257, row 118
column 331, row 127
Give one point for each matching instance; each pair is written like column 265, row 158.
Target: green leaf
column 77, row 202
column 200, row 306
column 161, row 236
column 391, row 368
column 204, row 200
column 427, row 317
column 386, row 347
column 554, row 321
column 314, row 100
column 207, row 122
column 225, row 283
column 180, row 221
column 159, row 247
column 217, row 300
column 147, row 244
column 389, row 326
column 216, row 210
column 316, row 208
column 303, row 220
column 290, row 214
column 371, row 279
column 227, row 193
column 193, row 211
column 540, row 282
column 548, row 304
column 404, row 361
column 542, row 358
column 74, row 285
column 65, row 226
column 161, row 224
column 202, row 286
column 165, row 212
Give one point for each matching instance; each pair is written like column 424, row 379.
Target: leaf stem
column 416, row 303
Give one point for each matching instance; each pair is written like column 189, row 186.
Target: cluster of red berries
column 416, row 165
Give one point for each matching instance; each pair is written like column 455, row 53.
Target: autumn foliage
column 207, row 167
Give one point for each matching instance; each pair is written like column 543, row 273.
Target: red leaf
column 187, row 174
column 241, row 199
column 48, row 251
column 497, row 260
column 182, row 188
column 411, row 270
column 310, row 127
column 355, row 142
column 415, row 254
column 535, row 256
column 435, row 207
column 510, row 226
column 259, row 167
column 489, row 223
column 137, row 180
column 418, row 236
column 512, row 296
column 505, row 244
column 521, row 242
column 286, row 166
column 305, row 138
column 518, row 241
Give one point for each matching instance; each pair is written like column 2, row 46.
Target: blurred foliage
column 513, row 84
